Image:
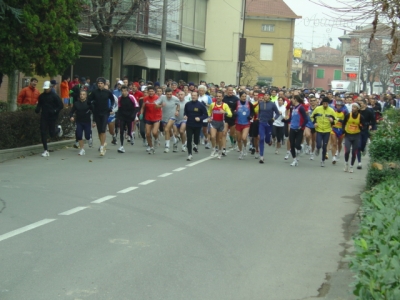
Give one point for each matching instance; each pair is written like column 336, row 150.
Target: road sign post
column 352, row 64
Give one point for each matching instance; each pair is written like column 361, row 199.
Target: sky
column 319, row 24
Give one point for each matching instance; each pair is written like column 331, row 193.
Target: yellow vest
column 353, row 125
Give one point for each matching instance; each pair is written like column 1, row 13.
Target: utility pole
column 163, row 42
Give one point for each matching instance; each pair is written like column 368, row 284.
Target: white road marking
column 24, row 229
column 165, row 175
column 179, row 169
column 127, row 190
column 146, row 182
column 72, row 211
column 103, row 199
column 199, row 161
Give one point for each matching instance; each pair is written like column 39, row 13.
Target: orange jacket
column 64, row 89
column 28, row 95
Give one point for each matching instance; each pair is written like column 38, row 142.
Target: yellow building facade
column 269, row 32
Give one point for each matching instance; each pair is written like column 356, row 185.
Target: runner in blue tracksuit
column 298, row 123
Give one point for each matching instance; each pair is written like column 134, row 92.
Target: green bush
column 21, row 128
column 385, row 143
column 3, row 106
column 381, row 171
column 377, row 244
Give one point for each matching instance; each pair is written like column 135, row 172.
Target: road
column 139, row 226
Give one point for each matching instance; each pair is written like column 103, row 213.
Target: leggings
column 322, row 141
column 47, row 126
column 264, row 131
column 295, row 138
column 83, row 127
column 351, row 141
column 122, row 124
column 278, row 132
column 364, row 135
column 190, row 132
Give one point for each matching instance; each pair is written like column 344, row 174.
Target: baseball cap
column 120, row 82
column 46, row 85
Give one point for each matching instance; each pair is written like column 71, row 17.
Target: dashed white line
column 127, row 190
column 165, row 175
column 103, row 199
column 146, row 182
column 24, row 229
column 199, row 161
column 179, row 169
column 72, row 211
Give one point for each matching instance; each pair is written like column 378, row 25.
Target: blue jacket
column 266, row 111
column 195, row 109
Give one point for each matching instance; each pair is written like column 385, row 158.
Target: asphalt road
column 139, row 226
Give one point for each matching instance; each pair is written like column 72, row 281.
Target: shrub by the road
column 21, row 128
column 376, row 260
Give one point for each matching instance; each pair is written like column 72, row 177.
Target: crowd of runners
column 187, row 116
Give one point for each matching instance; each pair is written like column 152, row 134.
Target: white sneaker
column 133, row 140
column 346, row 167
column 322, row 164
column 334, row 160
column 359, row 167
column 307, row 151
column 184, row 148
column 213, row 153
column 148, row 149
column 175, row 148
column 287, row 155
column 166, row 150
column 152, row 151
column 121, row 149
column 219, row 155
column 294, row 163
column 241, row 155
column 257, row 155
column 102, row 151
column 82, row 152
column 312, row 156
column 46, row 153
column 351, row 170
column 90, row 143
column 60, row 132
column 189, row 158
column 208, row 146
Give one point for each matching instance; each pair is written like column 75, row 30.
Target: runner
column 297, row 125
column 195, row 113
column 102, row 101
column 352, row 126
column 83, row 111
column 231, row 100
column 128, row 108
column 254, row 126
column 170, row 110
column 337, row 133
column 323, row 118
column 368, row 118
column 309, row 131
column 278, row 130
column 113, row 116
column 180, row 123
column 217, row 112
column 266, row 119
column 206, row 100
column 244, row 112
column 153, row 115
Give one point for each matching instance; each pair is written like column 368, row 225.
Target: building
column 269, row 32
column 321, row 66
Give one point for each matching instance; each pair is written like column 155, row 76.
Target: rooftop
column 270, row 8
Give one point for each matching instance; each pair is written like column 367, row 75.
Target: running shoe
column 257, row 155
column 213, row 153
column 76, row 145
column 102, row 151
column 241, row 156
column 175, row 148
column 121, row 149
column 166, row 150
column 261, row 161
column 208, row 146
column 60, row 131
column 114, row 140
column 219, row 155
column 359, row 166
column 253, row 150
column 152, row 151
column 312, row 156
column 195, row 149
column 148, row 149
column 156, row 143
column 351, row 170
column 322, row 164
column 184, row 148
column 346, row 167
column 294, row 163
column 46, row 153
column 334, row 160
column 90, row 143
column 307, row 150
column 81, row 152
column 189, row 157
column 224, row 152
column 133, row 140
column 287, row 155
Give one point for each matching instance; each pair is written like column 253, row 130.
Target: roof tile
column 270, row 8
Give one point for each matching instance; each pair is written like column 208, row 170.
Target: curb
column 14, row 153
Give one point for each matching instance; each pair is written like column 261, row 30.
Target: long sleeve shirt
column 82, row 111
column 194, row 109
column 321, row 116
column 50, row 105
column 102, row 100
column 299, row 117
column 266, row 111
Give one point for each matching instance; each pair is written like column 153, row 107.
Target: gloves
column 141, row 117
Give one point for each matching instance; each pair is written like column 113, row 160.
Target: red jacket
column 28, row 95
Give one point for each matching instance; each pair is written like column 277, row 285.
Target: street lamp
column 314, row 66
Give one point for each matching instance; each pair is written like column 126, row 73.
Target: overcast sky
column 317, row 25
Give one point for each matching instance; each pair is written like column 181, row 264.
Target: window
column 320, row 73
column 268, row 27
column 266, row 52
column 337, row 75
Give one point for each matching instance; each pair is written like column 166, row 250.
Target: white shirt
column 279, row 119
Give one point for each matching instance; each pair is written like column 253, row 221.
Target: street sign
column 351, row 64
column 396, row 81
column 396, row 67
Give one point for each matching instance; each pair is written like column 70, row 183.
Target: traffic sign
column 351, row 64
column 396, row 81
column 396, row 67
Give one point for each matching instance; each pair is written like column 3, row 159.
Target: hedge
column 377, row 244
column 21, row 128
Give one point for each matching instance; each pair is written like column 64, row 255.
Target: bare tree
column 378, row 11
column 249, row 70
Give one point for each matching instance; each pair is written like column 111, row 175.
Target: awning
column 148, row 56
column 191, row 62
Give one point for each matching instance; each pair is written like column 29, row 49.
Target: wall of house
column 324, row 83
column 224, row 27
column 279, row 68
